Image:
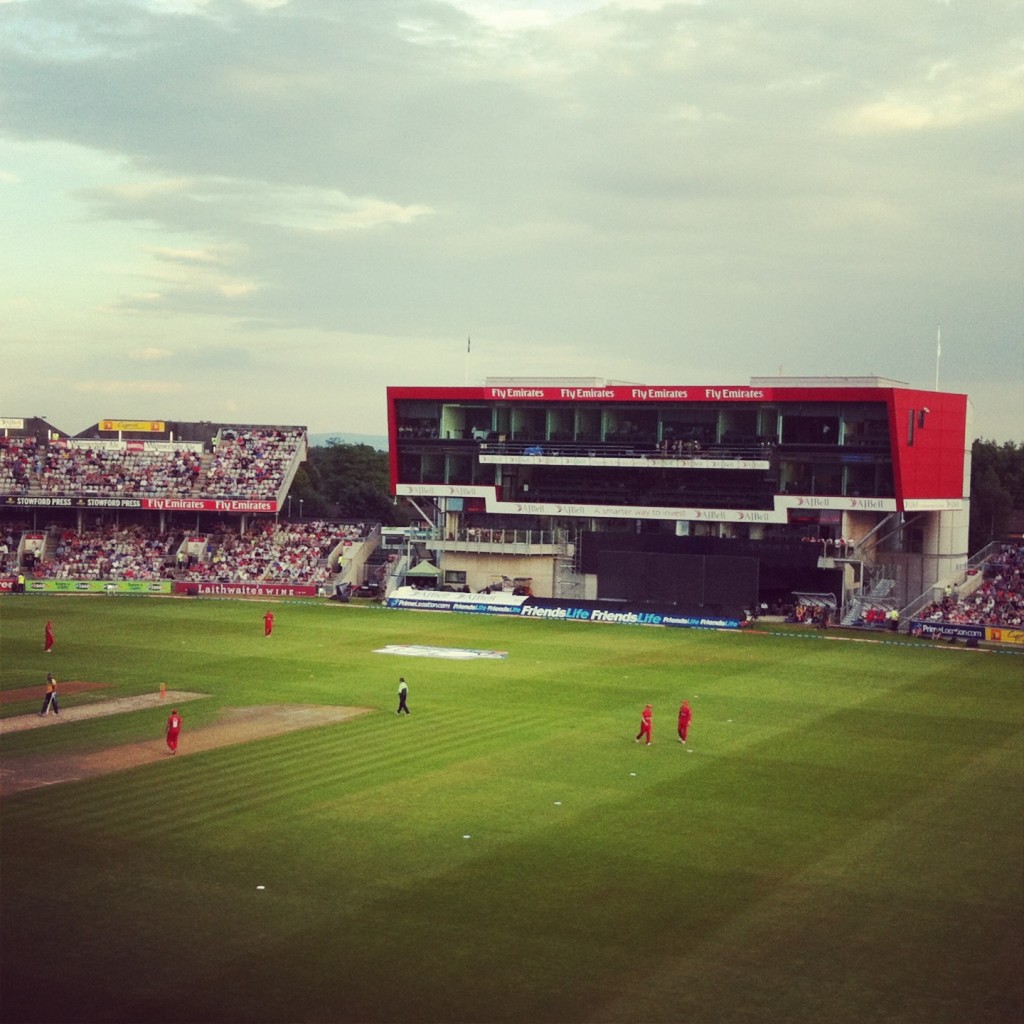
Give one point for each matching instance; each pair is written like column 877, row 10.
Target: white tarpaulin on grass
column 452, row 653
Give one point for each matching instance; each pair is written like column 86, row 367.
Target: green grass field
column 844, row 843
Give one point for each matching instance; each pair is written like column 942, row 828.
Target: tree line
column 351, row 481
column 997, row 492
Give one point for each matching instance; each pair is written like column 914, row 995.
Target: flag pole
column 938, row 353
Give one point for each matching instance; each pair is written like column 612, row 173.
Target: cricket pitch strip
column 237, row 725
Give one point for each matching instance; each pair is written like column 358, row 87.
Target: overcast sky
column 270, row 210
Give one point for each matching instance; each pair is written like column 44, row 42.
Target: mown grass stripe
column 279, row 767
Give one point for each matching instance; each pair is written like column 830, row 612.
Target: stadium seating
column 998, row 601
column 306, row 553
column 242, row 463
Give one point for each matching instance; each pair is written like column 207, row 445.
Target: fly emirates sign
column 628, row 394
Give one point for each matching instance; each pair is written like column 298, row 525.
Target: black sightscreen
column 615, row 570
column 728, row 579
column 689, row 580
column 691, row 584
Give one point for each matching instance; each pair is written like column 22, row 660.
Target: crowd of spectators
column 17, row 455
column 251, row 463
column 123, row 553
column 271, row 552
column 9, row 540
column 998, row 601
column 298, row 553
column 877, row 617
column 245, row 463
column 115, row 473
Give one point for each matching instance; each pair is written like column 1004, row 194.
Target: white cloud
column 949, row 94
column 140, row 192
column 222, row 202
column 953, row 104
column 202, row 257
column 237, row 290
column 151, row 354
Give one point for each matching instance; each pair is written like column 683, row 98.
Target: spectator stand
column 993, row 597
column 255, row 462
column 139, row 477
column 113, row 468
column 298, row 553
column 129, row 552
column 305, row 553
column 270, row 552
column 158, row 460
column 17, row 461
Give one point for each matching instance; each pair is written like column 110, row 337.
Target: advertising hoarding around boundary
column 98, row 586
column 254, row 589
column 540, row 608
column 966, row 631
column 142, row 587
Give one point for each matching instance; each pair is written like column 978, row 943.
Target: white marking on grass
column 452, row 653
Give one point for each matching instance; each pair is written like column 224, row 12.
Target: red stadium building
column 856, row 488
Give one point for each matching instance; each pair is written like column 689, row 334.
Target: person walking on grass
column 268, row 623
column 173, row 730
column 48, row 640
column 646, row 724
column 403, row 695
column 685, row 718
column 50, row 700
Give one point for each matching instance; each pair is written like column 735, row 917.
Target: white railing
column 489, row 539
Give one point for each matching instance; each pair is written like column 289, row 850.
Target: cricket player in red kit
column 173, row 730
column 48, row 637
column 268, row 623
column 646, row 721
column 685, row 718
